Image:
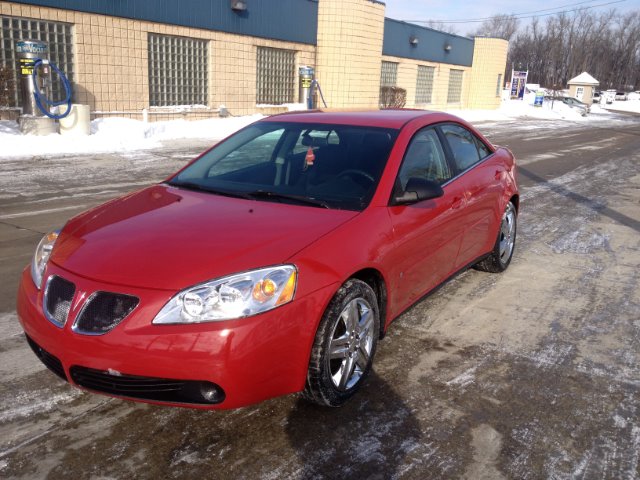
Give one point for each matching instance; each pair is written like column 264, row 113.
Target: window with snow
column 177, row 71
column 276, row 76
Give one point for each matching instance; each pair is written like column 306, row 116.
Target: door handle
column 457, row 203
column 498, row 175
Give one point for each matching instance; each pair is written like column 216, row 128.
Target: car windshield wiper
column 204, row 188
column 257, row 194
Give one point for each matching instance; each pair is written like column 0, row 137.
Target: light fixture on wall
column 413, row 41
column 238, row 5
column 447, row 47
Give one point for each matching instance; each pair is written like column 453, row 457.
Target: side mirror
column 417, row 190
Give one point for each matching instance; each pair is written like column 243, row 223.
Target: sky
column 413, row 10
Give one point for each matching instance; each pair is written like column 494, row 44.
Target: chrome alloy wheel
column 507, row 234
column 351, row 344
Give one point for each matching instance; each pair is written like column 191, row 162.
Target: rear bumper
column 250, row 359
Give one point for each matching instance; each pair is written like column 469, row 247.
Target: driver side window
column 424, row 159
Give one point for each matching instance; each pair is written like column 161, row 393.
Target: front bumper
column 250, row 359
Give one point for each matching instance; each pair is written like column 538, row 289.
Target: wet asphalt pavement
column 534, row 373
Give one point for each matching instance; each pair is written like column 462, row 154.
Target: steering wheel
column 361, row 174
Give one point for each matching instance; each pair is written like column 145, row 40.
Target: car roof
column 388, row 118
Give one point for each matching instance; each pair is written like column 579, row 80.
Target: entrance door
column 580, row 93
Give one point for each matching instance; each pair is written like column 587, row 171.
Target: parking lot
column 534, row 373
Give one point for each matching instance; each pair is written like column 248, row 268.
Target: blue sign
column 29, row 46
column 539, row 99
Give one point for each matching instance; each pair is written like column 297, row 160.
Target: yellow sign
column 26, row 66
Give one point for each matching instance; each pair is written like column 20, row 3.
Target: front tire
column 344, row 345
column 502, row 252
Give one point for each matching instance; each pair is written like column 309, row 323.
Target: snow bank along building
column 124, row 56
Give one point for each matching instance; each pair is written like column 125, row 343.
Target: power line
column 523, row 15
column 510, row 14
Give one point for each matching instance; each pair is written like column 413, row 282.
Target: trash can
column 77, row 122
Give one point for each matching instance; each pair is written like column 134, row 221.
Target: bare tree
column 441, row 26
column 605, row 44
column 498, row 26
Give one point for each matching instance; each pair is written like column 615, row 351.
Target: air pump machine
column 35, row 71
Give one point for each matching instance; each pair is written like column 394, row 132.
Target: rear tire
column 502, row 252
column 344, row 345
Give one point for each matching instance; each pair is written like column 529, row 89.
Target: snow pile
column 291, row 107
column 215, row 128
column 511, row 109
column 116, row 134
column 631, row 106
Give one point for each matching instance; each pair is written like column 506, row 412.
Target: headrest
column 309, row 141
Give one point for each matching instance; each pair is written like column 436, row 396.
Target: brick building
column 193, row 56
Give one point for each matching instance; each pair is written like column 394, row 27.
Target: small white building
column 583, row 87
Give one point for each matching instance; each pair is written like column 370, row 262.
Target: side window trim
column 404, row 158
column 449, row 152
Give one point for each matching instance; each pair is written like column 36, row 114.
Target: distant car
column 621, row 96
column 596, row 97
column 634, row 95
column 271, row 264
column 582, row 107
column 610, row 96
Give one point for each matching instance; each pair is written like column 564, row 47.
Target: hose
column 41, row 100
column 315, row 84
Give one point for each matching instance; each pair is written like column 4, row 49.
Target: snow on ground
column 632, row 106
column 511, row 109
column 121, row 134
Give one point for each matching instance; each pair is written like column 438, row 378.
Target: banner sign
column 518, row 82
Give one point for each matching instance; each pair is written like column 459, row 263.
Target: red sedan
column 271, row 264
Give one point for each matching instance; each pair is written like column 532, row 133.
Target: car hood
column 167, row 238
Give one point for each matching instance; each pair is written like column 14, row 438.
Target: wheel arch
column 515, row 199
column 376, row 281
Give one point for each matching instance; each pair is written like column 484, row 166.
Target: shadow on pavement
column 369, row 437
column 588, row 202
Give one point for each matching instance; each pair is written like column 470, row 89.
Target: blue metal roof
column 289, row 20
column 430, row 46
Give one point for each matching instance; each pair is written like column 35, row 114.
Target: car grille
column 103, row 311
column 57, row 299
column 147, row 388
column 51, row 362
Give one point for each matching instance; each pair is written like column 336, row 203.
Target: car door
column 427, row 234
column 479, row 176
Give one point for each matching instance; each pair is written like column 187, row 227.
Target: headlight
column 41, row 257
column 235, row 296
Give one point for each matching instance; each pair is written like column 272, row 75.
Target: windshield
column 328, row 166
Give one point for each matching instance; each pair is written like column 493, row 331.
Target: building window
column 177, row 71
column 424, row 85
column 388, row 74
column 455, row 86
column 56, row 34
column 276, row 76
column 499, row 85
